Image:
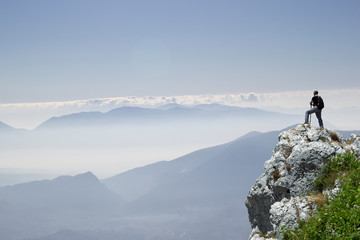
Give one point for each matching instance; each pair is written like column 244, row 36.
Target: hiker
column 316, row 104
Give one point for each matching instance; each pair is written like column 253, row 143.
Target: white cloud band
column 29, row 115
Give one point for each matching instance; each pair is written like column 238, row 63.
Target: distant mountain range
column 154, row 132
column 165, row 114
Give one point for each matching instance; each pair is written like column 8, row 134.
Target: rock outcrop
column 279, row 196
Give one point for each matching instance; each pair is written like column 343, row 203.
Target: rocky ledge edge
column 278, row 197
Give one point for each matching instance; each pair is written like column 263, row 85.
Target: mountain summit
column 279, row 196
column 82, row 192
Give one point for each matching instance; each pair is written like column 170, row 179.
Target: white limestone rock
column 277, row 197
column 288, row 212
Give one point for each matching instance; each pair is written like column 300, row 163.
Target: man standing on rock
column 316, row 104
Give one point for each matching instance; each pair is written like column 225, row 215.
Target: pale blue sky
column 79, row 49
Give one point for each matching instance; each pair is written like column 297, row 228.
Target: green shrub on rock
column 339, row 217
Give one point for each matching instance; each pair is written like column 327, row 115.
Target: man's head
column 316, row 92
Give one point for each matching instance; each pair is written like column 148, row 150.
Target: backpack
column 320, row 103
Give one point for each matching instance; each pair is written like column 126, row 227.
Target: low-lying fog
column 109, row 148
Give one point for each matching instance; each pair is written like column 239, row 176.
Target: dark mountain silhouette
column 136, row 182
column 207, row 187
column 41, row 207
column 222, row 177
column 83, row 192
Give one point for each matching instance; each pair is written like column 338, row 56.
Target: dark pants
column 317, row 113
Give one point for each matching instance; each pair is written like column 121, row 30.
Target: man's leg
column 318, row 115
column 308, row 112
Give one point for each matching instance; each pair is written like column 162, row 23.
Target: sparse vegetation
column 324, row 139
column 287, row 151
column 350, row 140
column 288, row 138
column 297, row 213
column 276, row 175
column 287, row 166
column 334, row 137
column 318, row 198
column 261, row 234
column 337, row 217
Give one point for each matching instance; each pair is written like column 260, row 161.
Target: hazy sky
column 67, row 50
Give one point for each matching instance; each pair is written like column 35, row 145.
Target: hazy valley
column 199, row 195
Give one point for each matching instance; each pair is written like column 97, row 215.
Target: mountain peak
column 87, row 177
column 278, row 197
column 80, row 193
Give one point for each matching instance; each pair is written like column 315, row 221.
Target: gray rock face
column 278, row 197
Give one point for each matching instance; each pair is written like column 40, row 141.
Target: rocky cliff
column 279, row 196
